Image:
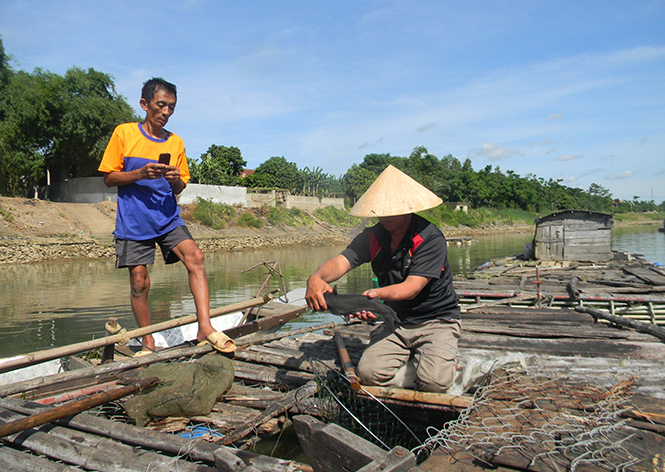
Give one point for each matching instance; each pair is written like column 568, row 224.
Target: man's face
column 392, row 223
column 160, row 108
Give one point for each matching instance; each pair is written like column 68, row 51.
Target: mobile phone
column 165, row 158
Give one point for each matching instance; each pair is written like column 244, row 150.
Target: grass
column 7, row 216
column 215, row 215
column 336, row 217
column 292, row 217
column 633, row 217
column 249, row 220
column 475, row 218
column 219, row 216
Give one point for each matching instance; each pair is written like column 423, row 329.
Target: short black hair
column 151, row 86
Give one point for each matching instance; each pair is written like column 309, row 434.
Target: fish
column 345, row 305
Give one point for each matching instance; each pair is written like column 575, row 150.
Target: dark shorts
column 132, row 253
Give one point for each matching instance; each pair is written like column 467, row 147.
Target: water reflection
column 45, row 305
column 644, row 240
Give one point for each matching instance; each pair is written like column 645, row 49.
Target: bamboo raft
column 536, row 369
column 628, row 287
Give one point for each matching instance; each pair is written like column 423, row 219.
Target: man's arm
column 319, row 282
column 406, row 290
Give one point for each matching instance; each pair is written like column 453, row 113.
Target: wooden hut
column 574, row 235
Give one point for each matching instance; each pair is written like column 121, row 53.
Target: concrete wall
column 260, row 200
column 93, row 190
column 312, row 203
column 82, row 190
column 217, row 193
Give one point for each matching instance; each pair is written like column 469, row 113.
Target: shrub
column 215, row 215
column 336, row 217
column 249, row 220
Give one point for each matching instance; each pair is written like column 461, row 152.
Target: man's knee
column 375, row 368
column 193, row 256
column 140, row 283
column 438, row 377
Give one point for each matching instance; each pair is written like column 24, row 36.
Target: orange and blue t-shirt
column 147, row 209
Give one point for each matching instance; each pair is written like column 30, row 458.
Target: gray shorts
column 130, row 253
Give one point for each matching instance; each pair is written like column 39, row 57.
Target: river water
column 52, row 304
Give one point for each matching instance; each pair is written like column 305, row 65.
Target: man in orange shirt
column 148, row 213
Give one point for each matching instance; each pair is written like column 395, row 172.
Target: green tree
column 57, row 125
column 277, row 172
column 219, row 165
column 313, row 180
column 5, row 69
column 356, row 181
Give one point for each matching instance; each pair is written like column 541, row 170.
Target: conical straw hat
column 394, row 193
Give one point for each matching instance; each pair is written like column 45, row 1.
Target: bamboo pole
column 394, row 393
column 24, row 360
column 252, row 339
column 349, row 371
column 73, row 408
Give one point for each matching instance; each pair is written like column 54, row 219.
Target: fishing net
column 184, row 389
column 536, row 422
column 386, row 425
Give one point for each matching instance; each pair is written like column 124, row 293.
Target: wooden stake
column 349, row 371
column 73, row 408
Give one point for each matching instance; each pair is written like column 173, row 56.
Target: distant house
column 246, row 172
column 574, row 235
column 458, row 206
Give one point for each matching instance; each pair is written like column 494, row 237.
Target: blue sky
column 564, row 90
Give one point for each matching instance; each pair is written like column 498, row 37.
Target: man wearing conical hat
column 408, row 255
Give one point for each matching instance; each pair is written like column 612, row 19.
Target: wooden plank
column 279, row 407
column 169, row 443
column 561, row 347
column 17, row 461
column 271, row 375
column 93, row 452
column 331, row 448
column 645, row 274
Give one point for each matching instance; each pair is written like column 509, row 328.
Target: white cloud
column 568, row 157
column 492, row 152
column 627, row 174
column 554, row 116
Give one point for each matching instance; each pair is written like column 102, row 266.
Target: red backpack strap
column 374, row 246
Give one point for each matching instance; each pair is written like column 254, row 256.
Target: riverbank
column 36, row 230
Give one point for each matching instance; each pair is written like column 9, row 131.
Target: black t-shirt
column 422, row 252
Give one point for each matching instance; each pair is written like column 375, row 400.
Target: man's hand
column 316, row 287
column 171, row 173
column 318, row 282
column 154, row 170
column 365, row 316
